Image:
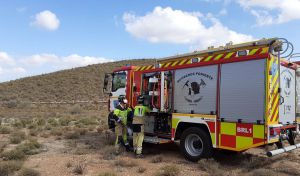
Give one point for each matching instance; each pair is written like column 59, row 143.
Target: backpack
column 111, row 121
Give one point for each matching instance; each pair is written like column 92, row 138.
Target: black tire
column 201, row 147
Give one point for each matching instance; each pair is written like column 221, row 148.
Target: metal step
column 156, row 140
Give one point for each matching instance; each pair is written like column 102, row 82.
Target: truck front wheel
column 195, row 144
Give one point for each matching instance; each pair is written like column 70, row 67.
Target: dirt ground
column 90, row 152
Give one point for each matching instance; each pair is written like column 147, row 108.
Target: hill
column 83, row 83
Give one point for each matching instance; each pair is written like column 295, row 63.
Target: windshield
column 119, row 81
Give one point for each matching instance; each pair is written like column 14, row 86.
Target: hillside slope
column 84, row 83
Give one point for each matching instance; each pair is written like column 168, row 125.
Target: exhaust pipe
column 282, row 150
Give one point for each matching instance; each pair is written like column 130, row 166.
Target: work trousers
column 138, row 138
column 121, row 134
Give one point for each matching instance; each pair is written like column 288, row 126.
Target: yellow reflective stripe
column 229, row 55
column 143, row 68
column 228, row 128
column 167, row 64
column 218, row 57
column 148, row 67
column 207, row 58
column 182, row 62
column 253, row 51
column 174, row 63
column 276, row 101
column 264, row 50
column 137, row 68
column 258, row 131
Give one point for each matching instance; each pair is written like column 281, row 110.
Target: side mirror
column 107, row 83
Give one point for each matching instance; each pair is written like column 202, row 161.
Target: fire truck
column 234, row 97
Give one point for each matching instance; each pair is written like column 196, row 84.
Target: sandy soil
column 59, row 159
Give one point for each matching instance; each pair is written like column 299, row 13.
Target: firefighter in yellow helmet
column 140, row 111
column 120, row 114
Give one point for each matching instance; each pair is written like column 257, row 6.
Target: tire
column 195, row 143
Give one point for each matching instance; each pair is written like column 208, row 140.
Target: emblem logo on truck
column 287, row 78
column 192, row 89
column 192, row 84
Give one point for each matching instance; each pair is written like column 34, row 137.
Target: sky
column 38, row 37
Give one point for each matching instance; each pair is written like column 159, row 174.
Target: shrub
column 72, row 135
column 157, row 159
column 30, row 147
column 64, row 121
column 4, row 130
column 110, row 153
column 40, row 122
column 17, row 137
column 9, row 167
column 81, row 131
column 87, row 121
column 170, row 170
column 13, row 155
column 29, row 172
column 12, row 104
column 141, row 170
column 33, row 132
column 69, row 164
column 125, row 163
column 56, row 132
column 53, row 122
column 79, row 168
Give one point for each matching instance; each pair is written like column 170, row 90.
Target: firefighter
column 120, row 114
column 140, row 111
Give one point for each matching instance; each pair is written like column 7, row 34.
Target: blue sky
column 47, row 35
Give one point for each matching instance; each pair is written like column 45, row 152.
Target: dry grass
column 5, row 130
column 79, row 169
column 72, row 135
column 107, row 174
column 125, row 163
column 29, row 172
column 13, row 155
column 30, row 147
column 9, row 167
column 17, row 137
column 141, row 170
column 157, row 159
column 169, row 170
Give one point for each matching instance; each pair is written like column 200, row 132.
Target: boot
column 128, row 148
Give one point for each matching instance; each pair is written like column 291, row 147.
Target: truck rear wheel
column 195, row 144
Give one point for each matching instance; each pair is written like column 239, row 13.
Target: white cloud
column 6, row 59
column 42, row 63
column 40, row 59
column 269, row 12
column 179, row 27
column 46, row 20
